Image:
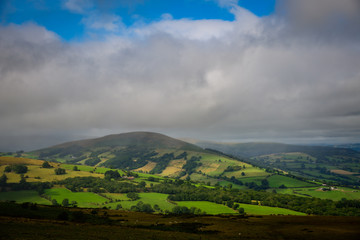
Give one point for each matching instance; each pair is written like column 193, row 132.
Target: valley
column 151, row 173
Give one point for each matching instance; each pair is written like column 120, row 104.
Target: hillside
column 150, row 153
column 332, row 164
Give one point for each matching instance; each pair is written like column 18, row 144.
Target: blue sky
column 66, row 17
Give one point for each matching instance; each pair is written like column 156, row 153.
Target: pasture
column 147, row 198
column 276, row 181
column 265, row 210
column 83, row 199
column 208, row 207
column 23, row 196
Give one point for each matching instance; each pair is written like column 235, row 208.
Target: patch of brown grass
column 342, row 172
column 147, row 168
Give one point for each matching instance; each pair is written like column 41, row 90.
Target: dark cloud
column 332, row 19
column 261, row 78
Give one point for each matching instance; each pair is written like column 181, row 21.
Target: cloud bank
column 274, row 78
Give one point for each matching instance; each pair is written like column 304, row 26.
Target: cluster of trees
column 162, row 162
column 142, row 207
column 180, row 210
column 182, row 156
column 59, row 171
column 233, row 168
column 112, row 174
column 192, row 164
column 46, row 164
column 92, row 161
column 124, row 158
column 99, row 185
column 17, row 168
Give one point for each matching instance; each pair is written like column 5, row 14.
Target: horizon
column 221, row 70
column 37, row 145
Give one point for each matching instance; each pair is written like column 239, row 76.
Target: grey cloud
column 332, row 19
column 254, row 81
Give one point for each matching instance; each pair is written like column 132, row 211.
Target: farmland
column 83, row 199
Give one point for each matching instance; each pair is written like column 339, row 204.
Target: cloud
column 108, row 22
column 329, row 18
column 252, row 78
column 78, row 6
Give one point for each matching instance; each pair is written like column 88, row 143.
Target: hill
column 327, row 163
column 138, row 139
column 150, row 153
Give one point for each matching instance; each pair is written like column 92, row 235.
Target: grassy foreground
column 135, row 225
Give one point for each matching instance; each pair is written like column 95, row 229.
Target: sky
column 222, row 70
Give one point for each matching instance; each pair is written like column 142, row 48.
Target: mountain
column 138, row 139
column 314, row 162
column 151, row 153
column 249, row 150
column 353, row 146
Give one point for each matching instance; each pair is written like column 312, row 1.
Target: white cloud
column 108, row 22
column 78, row 6
column 250, row 78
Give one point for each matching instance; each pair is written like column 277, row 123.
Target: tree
column 112, row 175
column 133, row 196
column 46, row 165
column 142, row 184
column 59, row 171
column 242, row 173
column 65, row 202
column 19, row 168
column 74, row 203
column 54, row 202
column 3, row 180
column 156, row 207
column 118, row 206
column 241, row 210
column 7, row 169
column 75, row 168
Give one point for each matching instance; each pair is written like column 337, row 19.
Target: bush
column 46, row 165
column 59, row 171
column 18, row 168
column 133, row 196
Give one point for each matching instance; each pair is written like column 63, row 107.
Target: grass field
column 149, row 198
column 264, row 210
column 38, row 174
column 84, row 199
column 208, row 207
column 23, row 196
column 85, row 168
column 334, row 195
column 276, row 181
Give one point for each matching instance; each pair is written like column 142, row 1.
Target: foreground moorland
column 41, row 222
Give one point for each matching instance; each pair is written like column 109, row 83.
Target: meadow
column 335, row 195
column 23, row 196
column 276, row 181
column 83, row 199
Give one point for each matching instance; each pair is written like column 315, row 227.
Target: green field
column 276, row 181
column 335, row 195
column 264, row 210
column 208, row 207
column 88, row 168
column 147, row 198
column 84, row 199
column 23, row 196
